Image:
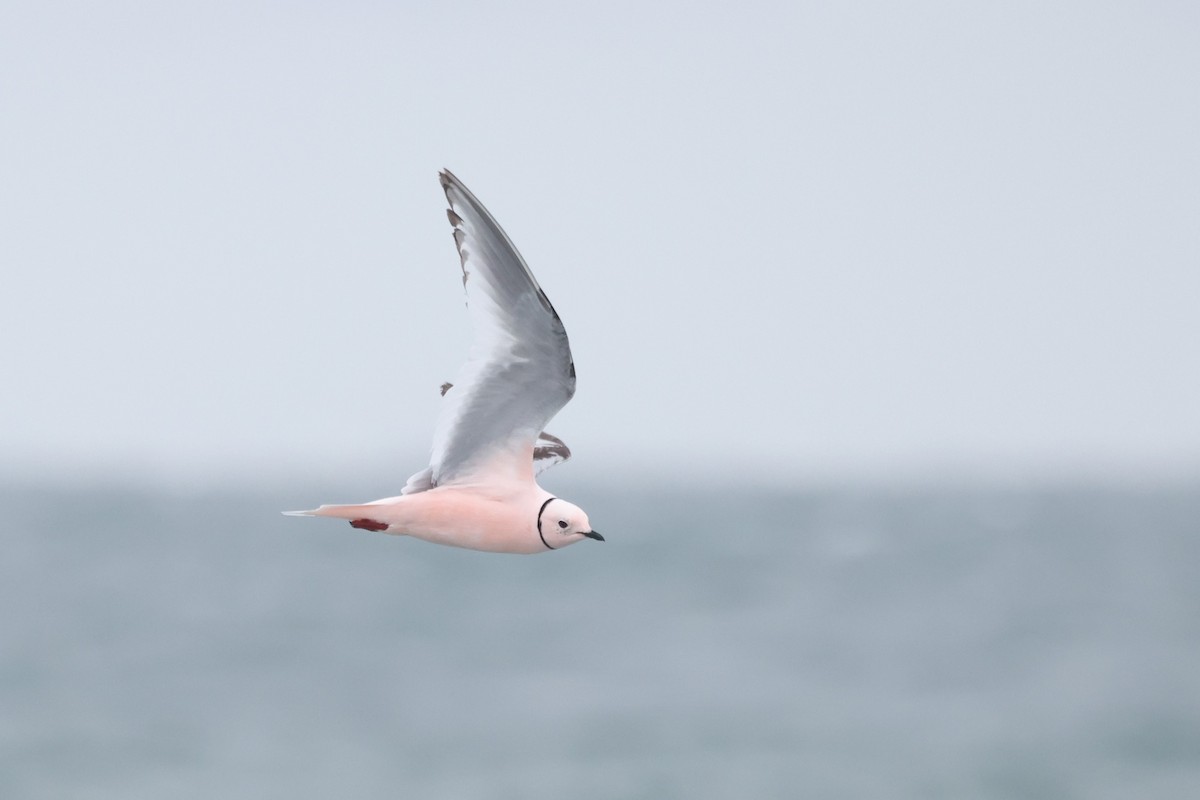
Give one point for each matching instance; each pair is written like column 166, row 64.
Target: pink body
column 498, row 518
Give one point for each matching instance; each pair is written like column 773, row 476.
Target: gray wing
column 548, row 451
column 519, row 372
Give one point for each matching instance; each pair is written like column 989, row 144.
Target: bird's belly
column 490, row 541
column 459, row 518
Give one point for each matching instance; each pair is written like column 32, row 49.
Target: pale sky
column 821, row 240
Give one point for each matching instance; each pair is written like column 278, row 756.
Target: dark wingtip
column 448, row 179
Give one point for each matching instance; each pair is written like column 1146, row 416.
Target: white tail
column 362, row 511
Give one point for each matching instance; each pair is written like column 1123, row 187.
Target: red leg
column 369, row 524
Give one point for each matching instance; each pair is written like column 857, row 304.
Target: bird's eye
column 562, row 523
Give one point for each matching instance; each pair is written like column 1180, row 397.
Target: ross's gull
column 480, row 489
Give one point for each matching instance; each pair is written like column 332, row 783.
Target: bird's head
column 561, row 523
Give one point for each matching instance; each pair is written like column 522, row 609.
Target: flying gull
column 480, row 489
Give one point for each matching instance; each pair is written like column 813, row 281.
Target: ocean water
column 834, row 644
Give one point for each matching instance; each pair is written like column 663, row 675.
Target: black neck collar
column 540, row 510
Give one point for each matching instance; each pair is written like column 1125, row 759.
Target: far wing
column 548, row 451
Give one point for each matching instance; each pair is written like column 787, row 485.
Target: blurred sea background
column 917, row 643
column 886, row 324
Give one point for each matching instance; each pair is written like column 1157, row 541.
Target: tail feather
column 359, row 511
